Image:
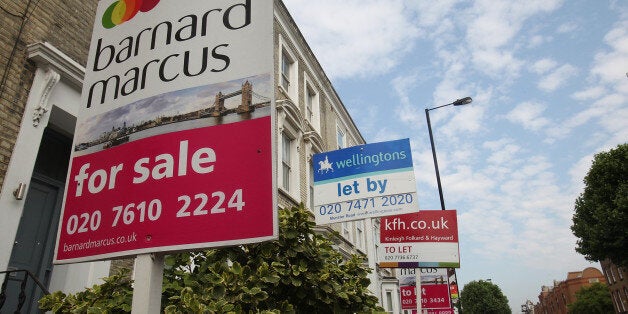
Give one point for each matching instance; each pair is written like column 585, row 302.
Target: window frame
column 286, row 161
column 341, row 137
column 287, row 68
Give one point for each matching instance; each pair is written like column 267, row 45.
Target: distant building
column 555, row 299
column 617, row 280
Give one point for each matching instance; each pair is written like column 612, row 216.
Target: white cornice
column 45, row 54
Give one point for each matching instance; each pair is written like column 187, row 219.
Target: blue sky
column 550, row 89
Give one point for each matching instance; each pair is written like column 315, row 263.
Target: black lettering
column 104, row 90
column 137, row 40
column 204, row 22
column 226, row 19
column 222, row 57
column 99, row 51
column 128, row 48
column 186, row 63
column 162, row 68
column 144, row 70
column 168, row 34
column 132, row 80
column 191, row 27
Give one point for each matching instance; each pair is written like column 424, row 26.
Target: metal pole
column 440, row 188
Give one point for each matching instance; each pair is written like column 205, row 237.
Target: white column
column 148, row 274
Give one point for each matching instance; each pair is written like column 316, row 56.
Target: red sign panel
column 433, row 296
column 423, row 226
column 428, row 238
column 177, row 191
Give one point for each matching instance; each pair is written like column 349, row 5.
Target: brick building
column 43, row 51
column 555, row 299
column 617, row 280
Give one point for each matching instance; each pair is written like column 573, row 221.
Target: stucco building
column 43, row 51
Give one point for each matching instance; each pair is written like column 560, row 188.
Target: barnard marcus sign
column 177, row 111
column 364, row 181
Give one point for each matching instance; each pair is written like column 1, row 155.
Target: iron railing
column 12, row 275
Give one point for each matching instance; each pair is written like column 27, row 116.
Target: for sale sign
column 176, row 118
column 371, row 180
column 428, row 238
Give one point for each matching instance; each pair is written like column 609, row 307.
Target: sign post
column 148, row 278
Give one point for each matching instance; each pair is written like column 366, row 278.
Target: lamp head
column 463, row 101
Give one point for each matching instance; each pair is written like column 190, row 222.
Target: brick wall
column 66, row 24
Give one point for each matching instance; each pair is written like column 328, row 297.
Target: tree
column 298, row 273
column 601, row 211
column 483, row 297
column 595, row 299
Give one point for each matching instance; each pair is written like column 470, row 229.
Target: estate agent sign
column 364, row 181
column 176, row 119
column 428, row 238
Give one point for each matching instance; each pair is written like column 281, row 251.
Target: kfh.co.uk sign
column 176, row 114
column 428, row 238
column 364, row 181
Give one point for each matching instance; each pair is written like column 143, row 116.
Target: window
column 311, row 185
column 610, row 270
column 617, row 300
column 389, row 301
column 286, row 67
column 359, row 234
column 310, row 103
column 341, row 138
column 288, row 70
column 346, row 231
column 286, row 160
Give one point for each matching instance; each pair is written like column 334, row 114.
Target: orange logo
column 124, row 10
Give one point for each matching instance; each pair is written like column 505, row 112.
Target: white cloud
column 567, row 27
column 355, row 37
column 544, row 65
column 611, row 66
column 494, row 24
column 538, row 40
column 557, row 78
column 590, row 93
column 529, row 115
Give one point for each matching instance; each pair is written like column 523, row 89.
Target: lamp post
column 458, row 102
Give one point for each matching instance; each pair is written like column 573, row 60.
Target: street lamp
column 458, row 102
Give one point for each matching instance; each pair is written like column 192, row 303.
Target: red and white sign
column 174, row 143
column 428, row 238
column 433, row 296
column 434, row 288
column 181, row 191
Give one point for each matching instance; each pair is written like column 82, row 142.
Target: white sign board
column 177, row 112
column 364, row 181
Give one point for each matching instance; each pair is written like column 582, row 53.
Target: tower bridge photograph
column 196, row 107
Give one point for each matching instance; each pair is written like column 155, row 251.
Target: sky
column 549, row 84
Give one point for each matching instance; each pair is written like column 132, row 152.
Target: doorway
column 33, row 248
